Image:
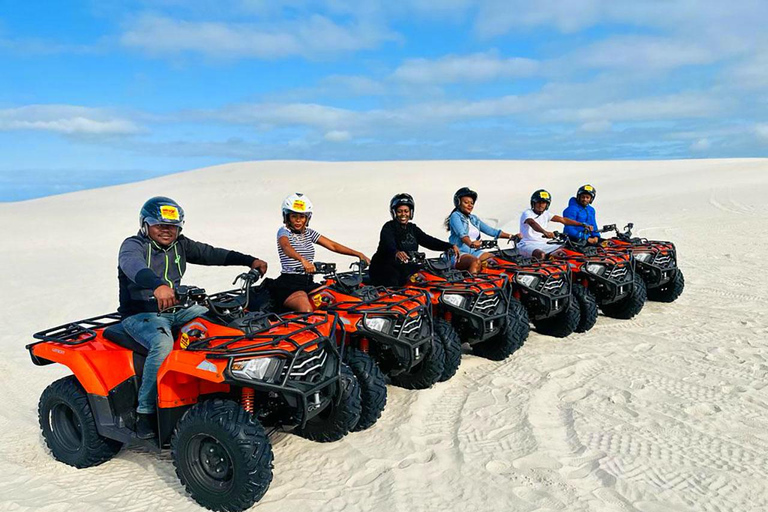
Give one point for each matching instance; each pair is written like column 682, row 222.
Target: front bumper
column 408, row 343
column 485, row 318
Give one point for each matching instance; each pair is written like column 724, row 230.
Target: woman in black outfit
column 397, row 238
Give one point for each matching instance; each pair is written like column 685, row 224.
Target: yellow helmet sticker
column 169, row 212
column 544, row 195
column 299, row 205
column 184, row 342
column 317, row 299
column 589, row 187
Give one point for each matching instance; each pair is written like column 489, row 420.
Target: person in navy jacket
column 580, row 209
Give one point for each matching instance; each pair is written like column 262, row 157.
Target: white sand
column 666, row 412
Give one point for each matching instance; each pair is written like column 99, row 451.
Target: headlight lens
column 596, row 268
column 261, row 368
column 378, row 324
column 455, row 300
column 645, row 257
column 527, row 280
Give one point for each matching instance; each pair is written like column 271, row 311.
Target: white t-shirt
column 529, row 235
column 473, row 233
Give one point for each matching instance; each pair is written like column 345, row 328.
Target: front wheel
column 426, row 372
column 447, row 336
column 630, row 305
column 587, row 303
column 562, row 324
column 668, row 292
column 69, row 428
column 338, row 418
column 511, row 337
column 222, row 455
column 373, row 387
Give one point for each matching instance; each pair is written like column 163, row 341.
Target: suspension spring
column 246, row 400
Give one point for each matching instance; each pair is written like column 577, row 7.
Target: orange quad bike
column 543, row 287
column 386, row 332
column 475, row 309
column 603, row 278
column 655, row 261
column 230, row 375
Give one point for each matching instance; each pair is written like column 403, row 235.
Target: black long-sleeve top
column 396, row 237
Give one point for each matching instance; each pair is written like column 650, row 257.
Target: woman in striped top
column 295, row 246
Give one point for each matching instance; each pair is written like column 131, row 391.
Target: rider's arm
column 459, row 228
column 488, row 230
column 132, row 260
column 535, row 226
column 387, row 240
column 430, row 242
column 204, row 254
column 341, row 249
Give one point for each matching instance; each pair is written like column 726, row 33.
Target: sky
column 96, row 92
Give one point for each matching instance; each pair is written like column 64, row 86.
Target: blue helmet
column 161, row 210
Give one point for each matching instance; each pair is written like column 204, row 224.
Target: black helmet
column 161, row 210
column 463, row 192
column 401, row 200
column 541, row 195
column 587, row 189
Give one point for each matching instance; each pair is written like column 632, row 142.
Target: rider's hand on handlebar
column 309, row 267
column 475, row 244
column 402, row 256
column 363, row 257
column 592, row 240
column 165, row 296
column 455, row 251
column 260, row 265
column 549, row 234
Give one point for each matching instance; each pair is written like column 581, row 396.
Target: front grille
column 553, row 285
column 410, row 327
column 619, row 273
column 308, row 367
column 487, row 303
column 664, row 260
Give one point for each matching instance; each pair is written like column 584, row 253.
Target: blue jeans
column 155, row 333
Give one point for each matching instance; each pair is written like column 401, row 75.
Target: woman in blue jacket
column 580, row 209
column 465, row 231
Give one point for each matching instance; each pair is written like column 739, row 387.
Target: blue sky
column 102, row 91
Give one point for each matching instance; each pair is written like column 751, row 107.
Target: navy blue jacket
column 580, row 213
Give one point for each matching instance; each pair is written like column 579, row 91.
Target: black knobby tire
column 562, row 324
column 373, row 386
column 451, row 342
column 587, row 303
column 427, row 372
column 222, row 455
column 630, row 305
column 69, row 428
column 668, row 292
column 337, row 419
column 511, row 337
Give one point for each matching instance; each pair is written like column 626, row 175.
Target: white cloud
column 337, row 136
column 676, row 106
column 315, row 36
column 641, row 53
column 701, row 145
column 65, row 119
column 596, row 126
column 478, row 67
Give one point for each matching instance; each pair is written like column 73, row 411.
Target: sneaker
column 145, row 426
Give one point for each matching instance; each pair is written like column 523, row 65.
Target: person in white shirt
column 534, row 224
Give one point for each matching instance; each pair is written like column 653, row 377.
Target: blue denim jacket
column 459, row 224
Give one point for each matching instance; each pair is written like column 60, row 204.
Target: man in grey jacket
column 150, row 266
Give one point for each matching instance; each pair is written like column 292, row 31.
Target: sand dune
column 665, row 412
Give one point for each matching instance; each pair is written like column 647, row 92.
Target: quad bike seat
column 117, row 334
column 349, row 280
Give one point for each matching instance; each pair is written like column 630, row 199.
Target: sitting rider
column 534, row 223
column 150, row 266
column 465, row 228
column 295, row 246
column 580, row 209
column 389, row 266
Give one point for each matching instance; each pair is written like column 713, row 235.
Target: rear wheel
column 562, row 324
column 222, row 455
column 69, row 428
column 337, row 419
column 630, row 305
column 670, row 291
column 451, row 342
column 373, row 387
column 587, row 307
column 426, row 372
column 511, row 337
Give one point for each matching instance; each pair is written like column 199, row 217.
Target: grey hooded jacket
column 143, row 265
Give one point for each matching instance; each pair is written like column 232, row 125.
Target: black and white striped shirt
column 302, row 243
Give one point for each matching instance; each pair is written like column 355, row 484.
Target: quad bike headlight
column 644, row 257
column 455, row 299
column 596, row 268
column 378, row 324
column 260, row 368
column 527, row 280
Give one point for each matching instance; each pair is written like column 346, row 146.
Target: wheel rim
column 210, row 463
column 65, row 428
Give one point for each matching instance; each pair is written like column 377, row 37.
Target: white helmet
column 297, row 203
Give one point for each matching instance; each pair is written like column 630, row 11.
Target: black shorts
column 287, row 284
